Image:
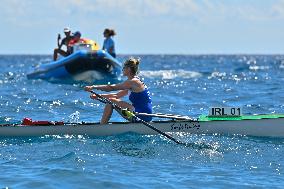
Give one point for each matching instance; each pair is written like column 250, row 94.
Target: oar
column 130, row 116
column 160, row 115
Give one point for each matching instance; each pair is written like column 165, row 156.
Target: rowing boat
column 269, row 125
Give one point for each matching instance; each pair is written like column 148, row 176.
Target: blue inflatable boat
column 86, row 66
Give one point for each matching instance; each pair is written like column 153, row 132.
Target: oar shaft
column 105, row 100
column 162, row 133
column 119, row 109
column 163, row 116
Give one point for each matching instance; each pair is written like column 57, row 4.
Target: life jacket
column 94, row 46
column 72, row 42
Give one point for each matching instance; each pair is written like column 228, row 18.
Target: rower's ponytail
column 110, row 32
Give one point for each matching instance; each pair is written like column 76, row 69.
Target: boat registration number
column 225, row 111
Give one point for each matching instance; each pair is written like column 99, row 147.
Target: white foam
column 259, row 67
column 170, row 74
column 88, row 76
column 74, row 117
column 281, row 65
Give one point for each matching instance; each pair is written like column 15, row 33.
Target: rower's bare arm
column 89, row 87
column 109, row 96
column 126, row 85
column 114, row 87
column 112, row 95
column 118, row 95
column 122, row 93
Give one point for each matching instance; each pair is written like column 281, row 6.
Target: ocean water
column 179, row 84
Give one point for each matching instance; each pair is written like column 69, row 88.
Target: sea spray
column 74, row 117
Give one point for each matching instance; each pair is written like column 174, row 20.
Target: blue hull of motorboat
column 79, row 66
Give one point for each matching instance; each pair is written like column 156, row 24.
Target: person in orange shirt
column 76, row 40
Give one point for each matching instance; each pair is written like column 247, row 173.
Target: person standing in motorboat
column 139, row 94
column 109, row 45
column 65, row 41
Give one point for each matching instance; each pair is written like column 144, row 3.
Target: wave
column 254, row 67
column 170, row 74
column 281, row 65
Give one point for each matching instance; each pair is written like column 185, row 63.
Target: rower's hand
column 93, row 96
column 89, row 88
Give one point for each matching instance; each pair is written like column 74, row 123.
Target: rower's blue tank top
column 142, row 103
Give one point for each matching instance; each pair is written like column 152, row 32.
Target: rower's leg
column 107, row 113
column 109, row 109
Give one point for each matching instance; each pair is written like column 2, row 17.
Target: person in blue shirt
column 139, row 94
column 109, row 42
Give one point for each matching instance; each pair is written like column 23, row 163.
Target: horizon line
column 137, row 54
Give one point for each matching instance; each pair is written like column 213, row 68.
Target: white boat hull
column 273, row 127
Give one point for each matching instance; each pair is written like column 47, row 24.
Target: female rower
column 139, row 94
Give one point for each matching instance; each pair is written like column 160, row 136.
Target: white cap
column 67, row 29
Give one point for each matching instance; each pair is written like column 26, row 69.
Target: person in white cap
column 65, row 41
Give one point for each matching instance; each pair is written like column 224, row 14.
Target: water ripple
column 179, row 84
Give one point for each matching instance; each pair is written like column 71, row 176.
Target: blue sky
column 147, row 26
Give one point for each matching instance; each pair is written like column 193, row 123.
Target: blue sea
column 179, row 84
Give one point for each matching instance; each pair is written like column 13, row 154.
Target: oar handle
column 105, row 100
column 100, row 97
